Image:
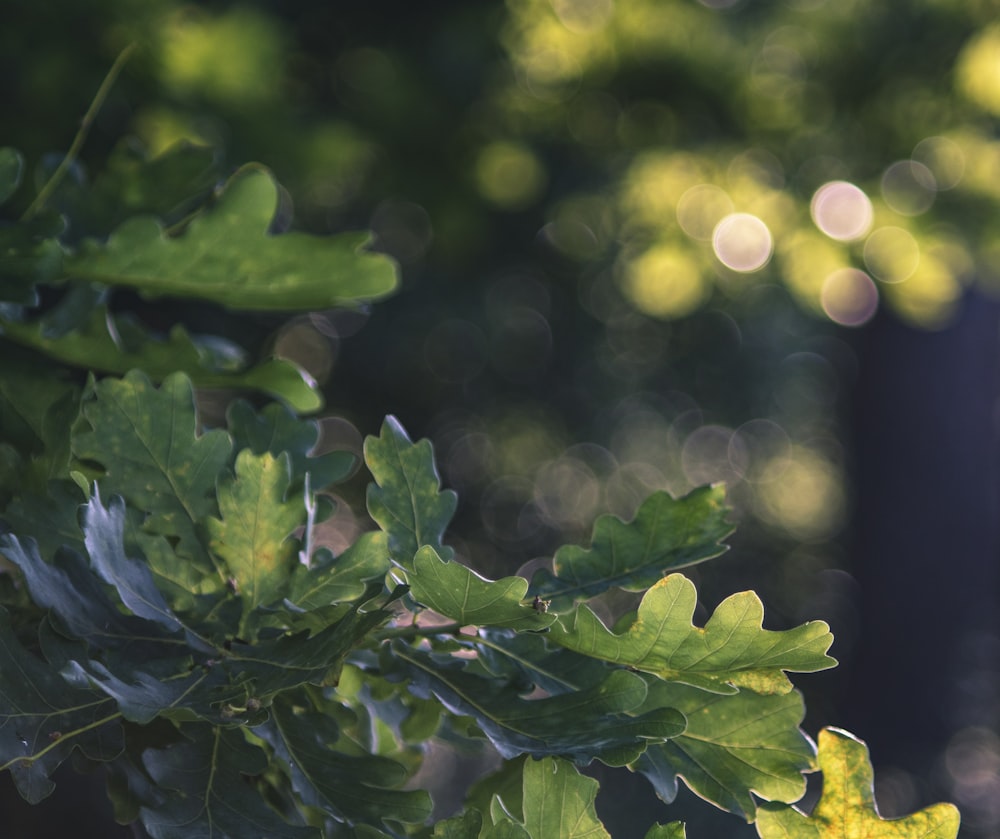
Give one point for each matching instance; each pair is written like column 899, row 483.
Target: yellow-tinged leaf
column 847, row 808
column 252, row 537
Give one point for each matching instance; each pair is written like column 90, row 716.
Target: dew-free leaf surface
column 452, row 590
column 205, row 790
column 593, row 722
column 406, row 499
column 253, row 537
column 226, row 255
column 846, row 809
column 666, row 534
column 732, row 651
column 735, row 746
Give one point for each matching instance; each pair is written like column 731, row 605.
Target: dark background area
column 571, row 338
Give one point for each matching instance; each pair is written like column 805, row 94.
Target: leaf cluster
column 167, row 613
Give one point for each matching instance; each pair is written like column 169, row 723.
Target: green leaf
column 69, row 589
column 43, row 718
column 37, row 404
column 103, row 535
column 847, row 808
column 671, row 830
column 145, row 440
column 253, row 537
column 269, row 667
column 30, row 253
column 118, row 343
column 559, row 802
column 351, row 789
column 226, row 256
column 666, row 534
column 733, row 746
column 343, row 578
column 406, row 499
column 593, row 722
column 452, row 590
column 463, row 826
column 11, row 169
column 169, row 186
column 277, row 430
column 205, row 790
column 732, row 651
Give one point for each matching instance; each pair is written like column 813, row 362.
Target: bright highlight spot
column 583, row 15
column 909, row 187
column 978, row 69
column 701, row 208
column 842, row 211
column 892, row 254
column 664, row 282
column 849, row 297
column 509, row 175
column 742, row 242
column 808, row 498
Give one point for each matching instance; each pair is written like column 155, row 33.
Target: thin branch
column 81, row 135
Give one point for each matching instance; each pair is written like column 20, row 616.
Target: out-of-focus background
column 644, row 244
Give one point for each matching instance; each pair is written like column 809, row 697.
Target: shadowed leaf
column 593, row 722
column 355, row 789
column 207, row 794
column 145, row 440
column 43, row 718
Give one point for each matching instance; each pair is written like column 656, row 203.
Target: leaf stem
column 81, row 135
column 420, row 631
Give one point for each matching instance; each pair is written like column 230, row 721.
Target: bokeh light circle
column 842, row 210
column 909, row 187
column 700, row 209
column 944, row 158
column 742, row 242
column 849, row 297
column 891, row 254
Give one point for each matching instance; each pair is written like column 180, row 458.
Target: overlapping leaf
column 666, row 534
column 30, row 253
column 733, row 746
column 206, row 795
column 847, row 807
column 277, row 430
column 594, row 722
column 103, row 535
column 352, row 789
column 118, row 343
column 457, row 592
column 253, row 537
column 69, row 589
column 226, row 256
column 42, row 718
column 556, row 801
column 732, row 651
column 406, row 499
column 145, row 440
column 342, row 578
